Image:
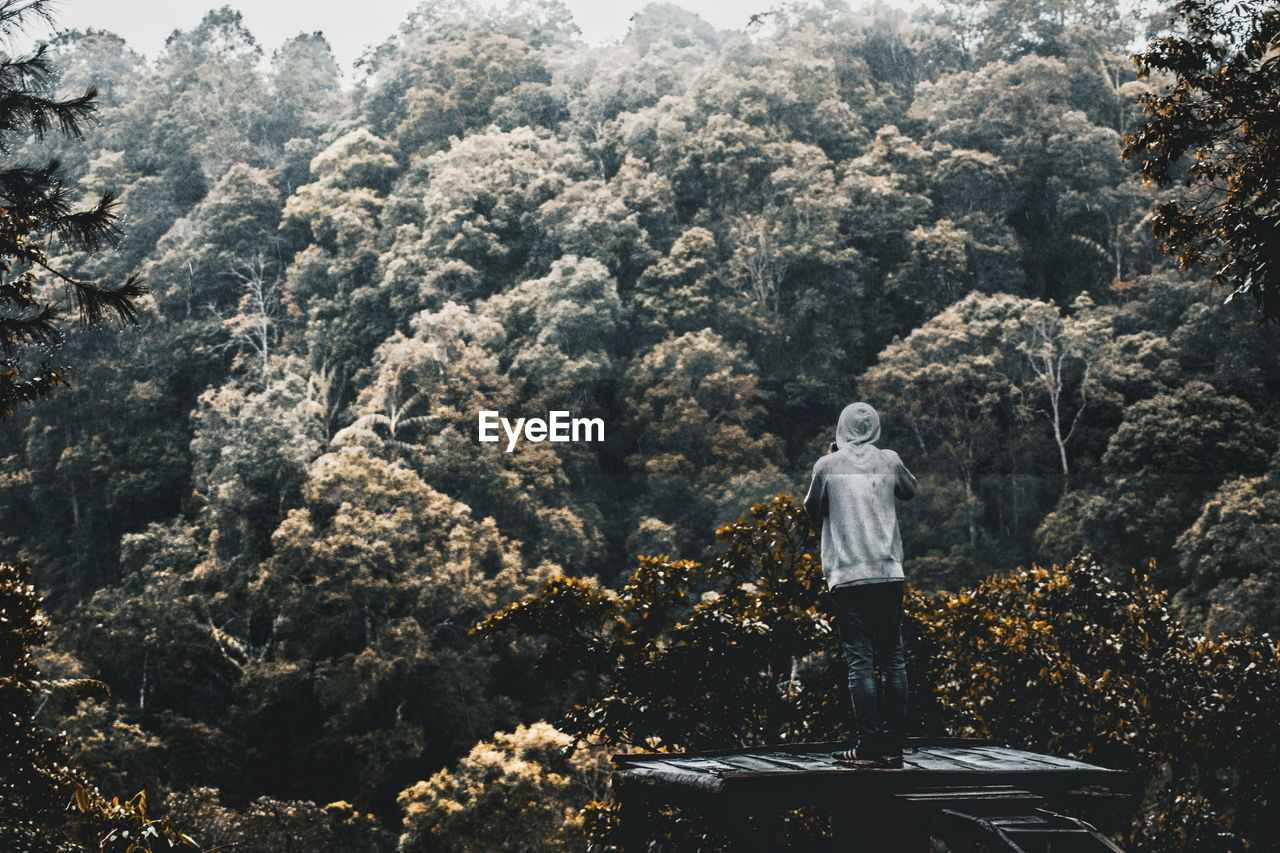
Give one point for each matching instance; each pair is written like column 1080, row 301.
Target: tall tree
column 1169, row 455
column 36, row 210
column 693, row 404
column 1220, row 110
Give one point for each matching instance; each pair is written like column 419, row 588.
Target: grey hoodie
column 853, row 492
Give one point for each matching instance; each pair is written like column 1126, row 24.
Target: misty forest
column 265, row 590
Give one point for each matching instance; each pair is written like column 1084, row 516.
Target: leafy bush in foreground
column 1065, row 660
column 46, row 805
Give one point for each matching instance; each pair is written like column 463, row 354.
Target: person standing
column 853, row 495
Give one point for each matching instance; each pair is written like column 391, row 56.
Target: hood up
column 859, row 425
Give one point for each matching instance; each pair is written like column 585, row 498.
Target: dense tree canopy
column 1219, row 112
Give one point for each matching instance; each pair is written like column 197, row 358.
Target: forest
column 286, row 592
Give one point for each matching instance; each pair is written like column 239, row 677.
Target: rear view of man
column 852, row 494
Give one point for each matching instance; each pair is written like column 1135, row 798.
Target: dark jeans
column 869, row 617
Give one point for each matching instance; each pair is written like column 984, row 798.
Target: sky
column 349, row 25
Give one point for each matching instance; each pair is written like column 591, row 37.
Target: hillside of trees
column 263, row 518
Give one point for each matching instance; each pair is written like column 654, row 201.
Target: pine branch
column 38, row 328
column 15, row 15
column 21, row 111
column 24, row 186
column 27, row 100
column 31, row 71
column 46, row 203
column 90, row 229
column 37, row 205
column 93, row 300
column 38, row 193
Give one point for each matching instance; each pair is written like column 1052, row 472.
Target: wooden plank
column 912, row 777
column 1004, row 752
column 794, row 775
column 801, row 759
column 654, row 777
column 940, row 759
column 700, row 765
column 789, row 789
column 797, row 763
column 815, row 747
column 686, row 764
column 1013, row 798
column 1030, row 761
column 759, row 764
column 1042, row 757
column 994, row 786
column 1055, row 761
column 974, row 760
column 932, row 759
column 995, row 792
column 960, row 796
column 919, row 742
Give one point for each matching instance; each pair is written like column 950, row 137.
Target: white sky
column 349, row 25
